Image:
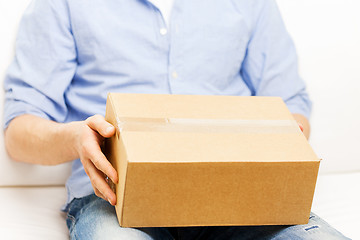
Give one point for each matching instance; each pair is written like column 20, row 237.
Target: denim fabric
column 91, row 217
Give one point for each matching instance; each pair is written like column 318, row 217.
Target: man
column 70, row 54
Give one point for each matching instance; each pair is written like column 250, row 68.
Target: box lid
column 193, row 128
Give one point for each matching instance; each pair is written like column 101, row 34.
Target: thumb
column 100, row 125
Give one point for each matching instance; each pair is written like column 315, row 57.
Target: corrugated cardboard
column 188, row 160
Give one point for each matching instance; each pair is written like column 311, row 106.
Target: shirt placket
column 163, row 33
column 168, row 40
column 174, row 72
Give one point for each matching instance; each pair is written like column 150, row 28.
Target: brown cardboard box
column 209, row 160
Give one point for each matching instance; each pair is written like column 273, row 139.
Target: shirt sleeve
column 44, row 63
column 270, row 67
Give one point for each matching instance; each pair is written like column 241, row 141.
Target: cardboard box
column 188, row 160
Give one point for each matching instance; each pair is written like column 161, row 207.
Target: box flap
column 208, row 129
column 199, row 106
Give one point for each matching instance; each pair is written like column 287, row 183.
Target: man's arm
column 33, row 139
column 36, row 84
column 270, row 67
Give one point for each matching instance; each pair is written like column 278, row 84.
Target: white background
column 327, row 36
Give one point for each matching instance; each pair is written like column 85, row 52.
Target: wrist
column 71, row 135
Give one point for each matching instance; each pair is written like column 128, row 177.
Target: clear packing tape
column 206, row 125
column 192, row 125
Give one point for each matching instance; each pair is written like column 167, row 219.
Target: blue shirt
column 70, row 54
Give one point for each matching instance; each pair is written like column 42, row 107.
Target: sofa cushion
column 23, row 174
column 33, row 213
column 337, row 201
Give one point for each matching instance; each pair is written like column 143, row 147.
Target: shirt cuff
column 15, row 108
column 303, row 109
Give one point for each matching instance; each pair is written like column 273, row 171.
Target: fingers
column 301, row 127
column 96, row 128
column 101, row 188
column 91, row 150
column 100, row 125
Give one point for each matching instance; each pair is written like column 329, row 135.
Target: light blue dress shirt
column 70, row 54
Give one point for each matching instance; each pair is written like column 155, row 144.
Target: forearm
column 36, row 140
column 301, row 119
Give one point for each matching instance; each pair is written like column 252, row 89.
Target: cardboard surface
column 209, row 161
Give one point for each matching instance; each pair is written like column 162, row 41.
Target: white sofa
column 326, row 33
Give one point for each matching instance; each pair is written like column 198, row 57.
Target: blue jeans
column 93, row 218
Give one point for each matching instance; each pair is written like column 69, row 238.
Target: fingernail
column 109, row 202
column 109, row 129
column 301, row 127
column 115, row 182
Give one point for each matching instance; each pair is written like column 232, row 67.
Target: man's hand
column 97, row 167
column 36, row 140
column 303, row 124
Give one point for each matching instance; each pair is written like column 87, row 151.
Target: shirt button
column 174, row 74
column 163, row 31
